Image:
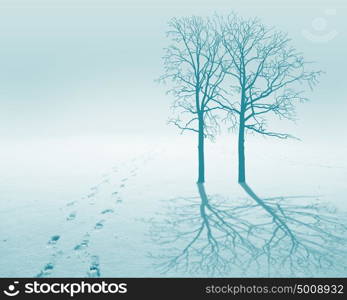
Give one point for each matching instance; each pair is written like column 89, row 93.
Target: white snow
column 98, row 193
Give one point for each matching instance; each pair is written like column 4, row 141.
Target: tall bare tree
column 193, row 64
column 267, row 76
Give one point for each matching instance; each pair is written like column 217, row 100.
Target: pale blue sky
column 82, row 67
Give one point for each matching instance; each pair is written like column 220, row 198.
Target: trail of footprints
column 81, row 249
column 47, row 269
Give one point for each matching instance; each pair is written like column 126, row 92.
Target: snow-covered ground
column 86, row 206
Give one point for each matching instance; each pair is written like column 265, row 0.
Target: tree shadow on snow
column 210, row 235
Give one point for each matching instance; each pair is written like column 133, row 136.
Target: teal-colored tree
column 266, row 76
column 192, row 64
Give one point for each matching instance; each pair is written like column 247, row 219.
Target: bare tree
column 267, row 76
column 193, row 64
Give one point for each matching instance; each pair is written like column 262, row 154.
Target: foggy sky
column 76, row 67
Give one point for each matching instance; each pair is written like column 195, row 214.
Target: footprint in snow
column 109, row 210
column 47, row 270
column 54, row 239
column 82, row 245
column 71, row 216
column 70, row 203
column 94, row 268
column 99, row 225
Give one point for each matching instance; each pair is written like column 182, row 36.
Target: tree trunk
column 201, row 155
column 241, row 149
